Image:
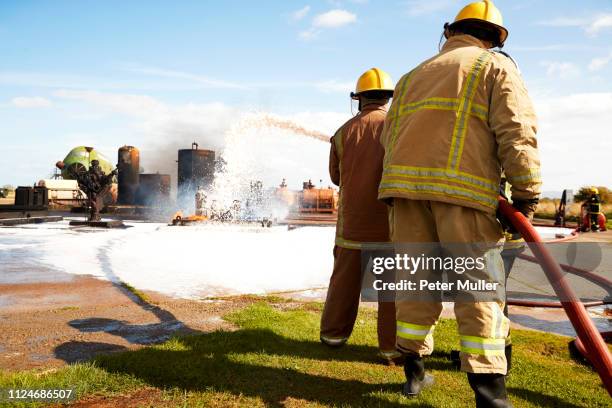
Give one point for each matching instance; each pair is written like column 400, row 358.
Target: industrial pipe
column 589, row 336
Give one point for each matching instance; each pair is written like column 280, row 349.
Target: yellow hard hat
column 374, row 79
column 594, row 190
column 484, row 11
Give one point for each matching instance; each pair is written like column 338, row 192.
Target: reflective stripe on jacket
column 355, row 164
column 456, row 120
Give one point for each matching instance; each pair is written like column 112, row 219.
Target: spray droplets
column 263, row 147
column 266, row 120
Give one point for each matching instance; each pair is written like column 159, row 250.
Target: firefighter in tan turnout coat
column 456, row 121
column 355, row 164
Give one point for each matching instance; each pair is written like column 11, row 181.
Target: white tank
column 61, row 189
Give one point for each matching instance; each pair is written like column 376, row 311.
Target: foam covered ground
column 186, row 262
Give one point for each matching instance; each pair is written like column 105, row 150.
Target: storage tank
column 78, row 160
column 153, row 190
column 196, row 167
column 62, row 190
column 128, row 164
column 318, row 200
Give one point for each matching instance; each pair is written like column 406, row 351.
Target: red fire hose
column 588, row 335
column 550, row 305
column 592, row 277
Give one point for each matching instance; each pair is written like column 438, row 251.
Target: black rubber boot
column 416, row 377
column 455, row 358
column 508, row 352
column 490, row 390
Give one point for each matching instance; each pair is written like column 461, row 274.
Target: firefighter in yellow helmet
column 355, row 164
column 456, row 121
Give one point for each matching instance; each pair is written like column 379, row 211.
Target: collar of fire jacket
column 374, row 106
column 462, row 40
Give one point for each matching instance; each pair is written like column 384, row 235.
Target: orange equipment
column 585, row 222
column 178, row 219
column 318, row 200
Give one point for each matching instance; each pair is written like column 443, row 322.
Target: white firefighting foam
column 183, row 262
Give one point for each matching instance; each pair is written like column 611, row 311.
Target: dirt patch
column 149, row 397
column 46, row 325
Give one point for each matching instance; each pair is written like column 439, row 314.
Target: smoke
column 275, row 147
column 212, row 129
column 255, row 146
column 203, row 124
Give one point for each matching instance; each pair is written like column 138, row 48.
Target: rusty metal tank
column 128, row 164
column 196, row 167
column 154, row 190
column 318, row 200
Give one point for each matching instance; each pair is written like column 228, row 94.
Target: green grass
column 140, row 295
column 275, row 359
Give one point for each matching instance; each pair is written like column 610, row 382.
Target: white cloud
column 600, row 23
column 148, row 79
column 570, row 120
column 309, row 34
column 334, row 19
column 539, row 48
column 331, row 19
column 301, row 13
column 420, row 7
column 561, row 70
column 199, row 79
column 31, row 102
column 143, row 81
column 133, row 105
column 334, row 86
column 565, row 22
column 591, row 25
column 600, row 62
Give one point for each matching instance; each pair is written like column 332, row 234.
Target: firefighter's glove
column 526, row 207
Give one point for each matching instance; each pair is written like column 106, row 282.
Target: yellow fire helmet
column 484, row 11
column 594, row 190
column 374, row 79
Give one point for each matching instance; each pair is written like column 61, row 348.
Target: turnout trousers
column 342, row 303
column 483, row 328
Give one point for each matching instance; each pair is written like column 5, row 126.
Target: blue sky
column 160, row 73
